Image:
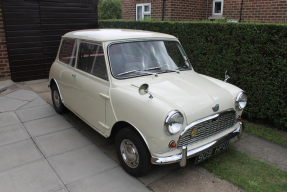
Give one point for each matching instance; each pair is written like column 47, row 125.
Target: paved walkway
column 62, row 153
column 41, row 151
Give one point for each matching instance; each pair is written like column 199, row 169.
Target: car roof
column 116, row 34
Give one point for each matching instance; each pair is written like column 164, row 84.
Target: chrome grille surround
column 207, row 127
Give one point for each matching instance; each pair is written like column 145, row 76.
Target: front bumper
column 184, row 155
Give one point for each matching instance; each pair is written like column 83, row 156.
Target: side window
column 91, row 60
column 68, row 51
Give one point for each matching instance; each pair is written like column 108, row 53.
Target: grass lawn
column 266, row 132
column 246, row 172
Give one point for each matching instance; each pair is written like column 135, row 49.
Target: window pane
column 217, row 7
column 139, row 13
column 92, row 60
column 68, row 51
column 146, row 8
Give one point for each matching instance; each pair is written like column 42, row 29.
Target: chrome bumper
column 184, row 155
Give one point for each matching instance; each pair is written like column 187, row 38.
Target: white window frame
column 213, row 7
column 143, row 12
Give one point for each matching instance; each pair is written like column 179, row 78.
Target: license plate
column 210, row 152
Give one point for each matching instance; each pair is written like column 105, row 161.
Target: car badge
column 215, row 107
column 193, row 133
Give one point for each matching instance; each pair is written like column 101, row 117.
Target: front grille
column 208, row 128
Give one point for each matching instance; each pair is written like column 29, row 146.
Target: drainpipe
column 241, row 11
column 162, row 17
column 207, row 10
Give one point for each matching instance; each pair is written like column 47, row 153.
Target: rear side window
column 91, row 60
column 68, row 52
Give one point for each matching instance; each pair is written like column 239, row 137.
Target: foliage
column 268, row 133
column 110, row 9
column 254, row 54
column 246, row 172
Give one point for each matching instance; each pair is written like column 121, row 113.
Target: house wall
column 4, row 63
column 175, row 10
column 263, row 11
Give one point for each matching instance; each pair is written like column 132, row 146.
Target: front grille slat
column 208, row 128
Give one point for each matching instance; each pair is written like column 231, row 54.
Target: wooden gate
column 34, row 29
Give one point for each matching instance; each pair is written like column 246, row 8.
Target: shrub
column 254, row 54
column 110, row 9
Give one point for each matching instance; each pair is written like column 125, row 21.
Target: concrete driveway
column 42, row 151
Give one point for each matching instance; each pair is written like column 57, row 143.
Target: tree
column 110, row 9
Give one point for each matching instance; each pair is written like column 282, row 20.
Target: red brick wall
column 175, row 10
column 263, row 11
column 4, row 64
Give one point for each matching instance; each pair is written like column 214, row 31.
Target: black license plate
column 210, row 152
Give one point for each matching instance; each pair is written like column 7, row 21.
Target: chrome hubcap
column 56, row 99
column 129, row 153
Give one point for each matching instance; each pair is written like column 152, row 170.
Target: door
column 90, row 85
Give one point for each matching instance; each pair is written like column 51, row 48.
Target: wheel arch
column 54, row 82
column 123, row 124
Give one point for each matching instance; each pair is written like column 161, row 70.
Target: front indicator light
column 172, row 144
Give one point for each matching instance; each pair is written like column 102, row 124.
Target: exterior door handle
column 74, row 75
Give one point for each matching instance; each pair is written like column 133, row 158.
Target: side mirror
column 226, row 76
column 143, row 90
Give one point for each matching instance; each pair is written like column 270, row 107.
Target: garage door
column 34, row 29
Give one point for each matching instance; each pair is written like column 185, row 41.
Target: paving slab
column 37, row 102
column 35, row 113
column 34, row 177
column 93, row 135
column 47, row 97
column 18, row 153
column 40, row 87
column 81, row 163
column 34, row 81
column 61, row 142
column 263, row 150
column 13, row 133
column 116, row 180
column 7, row 104
column 192, row 178
column 47, row 125
column 25, row 95
column 8, row 118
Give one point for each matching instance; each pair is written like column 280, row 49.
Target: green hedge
column 254, row 54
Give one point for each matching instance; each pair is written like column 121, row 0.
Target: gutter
column 162, row 16
column 240, row 19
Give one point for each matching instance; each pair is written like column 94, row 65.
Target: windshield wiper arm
column 127, row 72
column 152, row 68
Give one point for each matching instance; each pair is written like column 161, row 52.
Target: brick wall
column 175, row 10
column 4, row 64
column 263, row 11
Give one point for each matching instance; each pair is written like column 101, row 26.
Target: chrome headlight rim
column 168, row 119
column 239, row 97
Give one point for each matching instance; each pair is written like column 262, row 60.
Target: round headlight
column 173, row 122
column 241, row 101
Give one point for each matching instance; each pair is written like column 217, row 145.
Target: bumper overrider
column 184, row 155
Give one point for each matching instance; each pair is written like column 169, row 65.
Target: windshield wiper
column 127, row 72
column 152, row 68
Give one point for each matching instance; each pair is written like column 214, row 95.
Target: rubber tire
column 144, row 155
column 61, row 109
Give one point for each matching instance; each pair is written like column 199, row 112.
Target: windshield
column 148, row 57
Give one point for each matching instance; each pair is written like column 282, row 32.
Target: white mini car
column 140, row 88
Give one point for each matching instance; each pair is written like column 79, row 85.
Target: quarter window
column 143, row 11
column 217, row 7
column 67, row 53
column 91, row 60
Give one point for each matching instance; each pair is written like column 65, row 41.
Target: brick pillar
column 4, row 63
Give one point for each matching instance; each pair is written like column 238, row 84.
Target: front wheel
column 132, row 153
